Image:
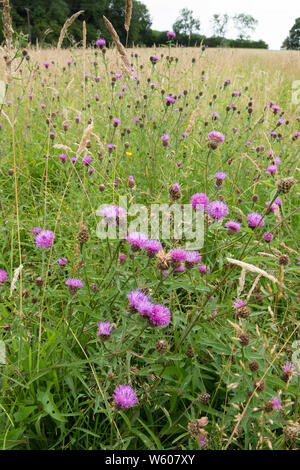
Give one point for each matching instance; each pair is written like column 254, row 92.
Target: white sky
column 275, row 18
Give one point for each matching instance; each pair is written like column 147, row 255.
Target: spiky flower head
column 285, row 184
column 199, row 201
column 125, row 396
column 45, row 239
column 160, row 315
column 104, row 330
column 218, row 210
column 255, row 219
column 3, row 276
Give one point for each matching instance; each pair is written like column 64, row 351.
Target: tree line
column 42, row 20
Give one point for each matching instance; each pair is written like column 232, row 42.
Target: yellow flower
column 129, row 154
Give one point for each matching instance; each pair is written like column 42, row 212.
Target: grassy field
column 223, row 371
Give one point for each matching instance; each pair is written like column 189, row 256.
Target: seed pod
column 285, row 184
column 204, row 398
column 253, row 366
column 83, row 234
column 244, row 339
column 162, row 346
column 259, row 385
column 283, row 260
column 190, row 351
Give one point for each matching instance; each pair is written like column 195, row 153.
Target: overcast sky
column 275, row 18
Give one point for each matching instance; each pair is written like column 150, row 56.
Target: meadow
column 136, row 343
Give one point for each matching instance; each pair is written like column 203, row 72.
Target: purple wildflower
column 113, row 214
column 267, row 236
column 216, row 136
column 136, row 240
column 125, row 396
column 45, row 239
column 160, row 315
column 3, row 276
column 238, row 303
column 271, row 169
column 289, row 369
column 100, row 42
column 255, row 219
column 74, row 284
column 152, row 246
column 104, row 330
column 198, row 200
column 233, row 227
column 86, row 160
column 276, row 403
column 218, row 210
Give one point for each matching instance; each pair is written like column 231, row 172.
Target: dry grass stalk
column 277, row 215
column 252, row 268
column 253, row 287
column 290, row 250
column 241, row 282
column 66, row 27
column 128, row 13
column 62, row 147
column 15, row 279
column 252, row 161
column 8, row 33
column 84, row 34
column 84, row 138
column 192, row 121
column 121, row 49
column 97, row 139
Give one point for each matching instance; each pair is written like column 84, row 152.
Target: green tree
column 219, row 24
column 293, row 39
column 244, row 24
column 186, row 24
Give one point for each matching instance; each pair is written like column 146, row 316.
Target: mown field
column 206, row 348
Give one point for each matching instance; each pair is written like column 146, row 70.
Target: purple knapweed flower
column 160, row 315
column 87, row 160
column 104, row 330
column 271, row 169
column 44, row 239
column 267, row 236
column 63, row 261
column 113, row 214
column 202, row 441
column 136, row 298
column 74, row 284
column 152, row 246
column 171, row 34
column 178, row 254
column 63, row 157
column 238, row 303
column 233, row 227
column 3, row 276
column 218, row 210
column 100, row 42
column 192, row 258
column 289, row 369
column 36, row 230
column 255, row 220
column 276, row 403
column 136, row 240
column 199, row 200
column 125, row 396
column 170, row 99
